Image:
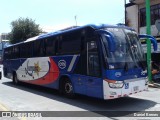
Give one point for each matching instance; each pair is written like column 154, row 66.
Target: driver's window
column 93, row 67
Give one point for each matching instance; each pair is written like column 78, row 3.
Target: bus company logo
column 32, row 69
column 126, row 85
column 62, row 64
column 118, row 74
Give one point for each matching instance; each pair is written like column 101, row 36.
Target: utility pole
column 75, row 19
column 148, row 31
column 125, row 13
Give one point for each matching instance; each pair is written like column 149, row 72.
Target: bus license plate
column 136, row 88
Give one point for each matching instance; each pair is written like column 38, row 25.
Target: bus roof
column 95, row 27
column 70, row 29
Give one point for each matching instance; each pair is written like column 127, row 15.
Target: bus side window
column 16, row 50
column 69, row 44
column 82, row 43
column 6, row 53
column 93, row 67
column 30, row 49
column 38, row 49
column 23, row 51
column 12, row 53
column 50, row 47
column 59, row 45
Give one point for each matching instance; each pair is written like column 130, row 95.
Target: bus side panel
column 39, row 71
column 10, row 66
column 7, row 69
column 94, row 87
column 79, row 82
column 87, row 85
column 46, row 71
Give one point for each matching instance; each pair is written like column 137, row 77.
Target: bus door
column 93, row 79
column 87, row 79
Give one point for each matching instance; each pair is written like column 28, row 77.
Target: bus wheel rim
column 68, row 88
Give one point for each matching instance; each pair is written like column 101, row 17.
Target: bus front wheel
column 68, row 89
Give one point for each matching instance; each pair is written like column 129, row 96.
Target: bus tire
column 15, row 79
column 67, row 88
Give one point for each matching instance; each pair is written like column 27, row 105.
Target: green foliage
column 22, row 29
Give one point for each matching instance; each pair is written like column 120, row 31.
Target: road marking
column 4, row 108
column 23, row 118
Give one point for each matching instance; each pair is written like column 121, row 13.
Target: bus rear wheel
column 15, row 79
column 68, row 89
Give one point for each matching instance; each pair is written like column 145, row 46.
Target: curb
column 157, row 85
column 154, row 85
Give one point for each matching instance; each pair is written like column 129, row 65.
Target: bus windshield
column 128, row 51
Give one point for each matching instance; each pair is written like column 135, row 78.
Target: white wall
column 154, row 31
column 132, row 16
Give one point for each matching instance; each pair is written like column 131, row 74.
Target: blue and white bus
column 103, row 61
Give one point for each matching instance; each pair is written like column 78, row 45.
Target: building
column 3, row 36
column 136, row 16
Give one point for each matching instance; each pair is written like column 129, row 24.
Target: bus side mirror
column 111, row 43
column 153, row 40
column 110, row 39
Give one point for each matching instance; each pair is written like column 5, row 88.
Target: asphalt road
column 26, row 97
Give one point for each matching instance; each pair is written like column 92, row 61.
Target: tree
column 22, row 29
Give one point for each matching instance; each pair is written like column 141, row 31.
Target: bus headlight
column 115, row 84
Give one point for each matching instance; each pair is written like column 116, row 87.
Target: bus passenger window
column 50, row 47
column 38, row 49
column 69, row 44
column 16, row 50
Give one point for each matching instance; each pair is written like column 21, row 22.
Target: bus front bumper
column 125, row 88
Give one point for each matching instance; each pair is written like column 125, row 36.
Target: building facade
column 3, row 36
column 136, row 16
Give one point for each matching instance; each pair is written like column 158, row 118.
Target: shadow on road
column 110, row 108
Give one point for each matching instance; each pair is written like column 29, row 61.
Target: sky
column 52, row 15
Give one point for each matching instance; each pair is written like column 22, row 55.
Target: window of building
column 155, row 14
column 143, row 17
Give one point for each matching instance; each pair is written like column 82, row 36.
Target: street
column 26, row 97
